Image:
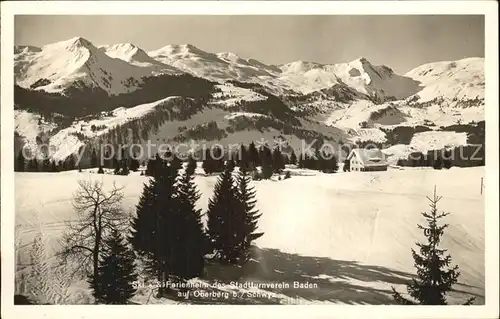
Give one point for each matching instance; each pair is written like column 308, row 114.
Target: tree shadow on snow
column 328, row 280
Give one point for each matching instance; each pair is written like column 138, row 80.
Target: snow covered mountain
column 136, row 56
column 299, row 76
column 219, row 67
column 360, row 74
column 453, row 81
column 119, row 68
column 245, row 98
column 77, row 62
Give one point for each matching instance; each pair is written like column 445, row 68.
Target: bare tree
column 98, row 212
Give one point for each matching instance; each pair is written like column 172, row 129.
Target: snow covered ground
column 437, row 140
column 461, row 79
column 395, row 152
column 29, row 126
column 231, row 94
column 348, row 235
column 65, row 142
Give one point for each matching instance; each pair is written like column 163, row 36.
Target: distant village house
column 367, row 160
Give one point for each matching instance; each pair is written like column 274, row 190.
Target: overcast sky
column 400, row 42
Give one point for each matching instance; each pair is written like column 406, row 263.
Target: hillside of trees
column 79, row 101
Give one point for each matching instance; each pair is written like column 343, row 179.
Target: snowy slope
column 231, row 94
column 395, row 152
column 300, row 76
column 66, row 143
column 136, row 56
column 359, row 74
column 437, row 140
column 346, row 96
column 219, row 67
column 29, row 126
column 459, row 80
column 353, row 249
column 111, row 66
column 59, row 65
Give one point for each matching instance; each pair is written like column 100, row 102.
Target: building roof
column 369, row 157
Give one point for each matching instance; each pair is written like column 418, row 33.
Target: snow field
column 347, row 232
column 436, row 140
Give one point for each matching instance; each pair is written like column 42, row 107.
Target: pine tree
column 347, row 165
column 116, row 164
column 116, row 272
column 244, row 158
column 167, row 231
column 151, row 228
column 20, row 162
column 213, row 161
column 108, row 163
column 293, row 158
column 193, row 244
column 254, row 155
column 134, row 163
column 218, row 159
column 54, row 168
column 230, row 165
column 124, row 169
column 320, row 161
column 266, row 159
column 248, row 202
column 447, row 159
column 226, row 223
column 93, row 159
column 100, row 170
column 438, row 164
column 435, row 276
column 175, row 162
column 33, row 165
column 70, row 163
column 150, row 167
column 191, row 165
column 330, row 164
column 45, row 165
column 278, row 161
column 302, row 160
column 208, row 163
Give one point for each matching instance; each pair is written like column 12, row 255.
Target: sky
column 398, row 41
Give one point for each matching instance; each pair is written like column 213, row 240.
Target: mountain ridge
column 231, row 98
column 298, row 76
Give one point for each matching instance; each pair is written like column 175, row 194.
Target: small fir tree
column 191, row 165
column 266, row 159
column 244, row 158
column 293, row 158
column 100, row 170
column 134, row 163
column 193, row 242
column 447, row 159
column 278, row 160
column 253, row 155
column 116, row 273
column 225, row 219
column 20, row 162
column 347, row 165
column 438, row 164
column 435, row 276
column 248, row 203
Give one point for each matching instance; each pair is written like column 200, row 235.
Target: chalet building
column 367, row 160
